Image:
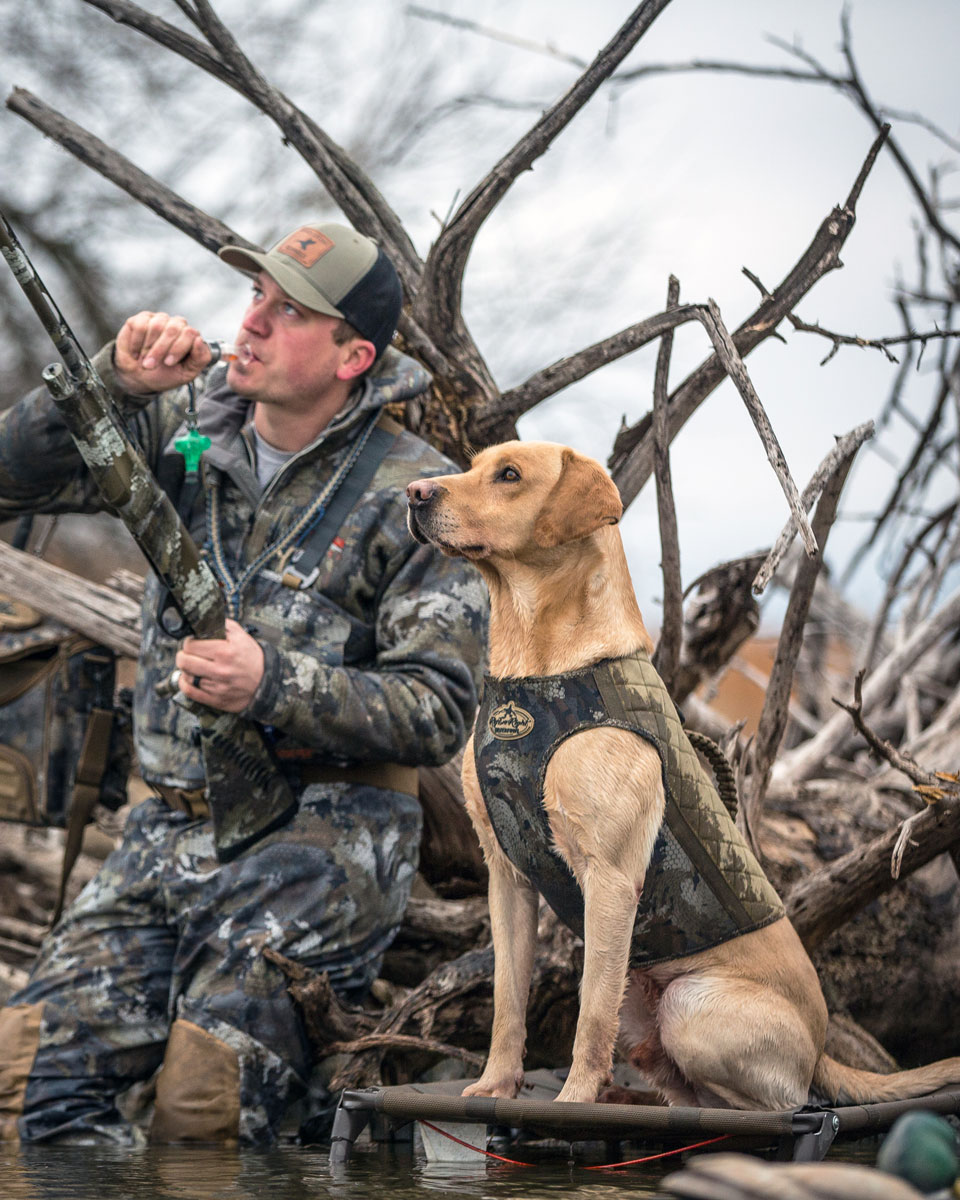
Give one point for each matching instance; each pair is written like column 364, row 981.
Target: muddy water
column 388, row 1172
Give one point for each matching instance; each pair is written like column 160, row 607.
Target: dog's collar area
column 573, row 673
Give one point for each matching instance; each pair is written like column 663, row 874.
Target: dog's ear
column 582, row 499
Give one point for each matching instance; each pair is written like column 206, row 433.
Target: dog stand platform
column 803, row 1134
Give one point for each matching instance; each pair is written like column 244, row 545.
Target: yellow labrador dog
column 579, row 793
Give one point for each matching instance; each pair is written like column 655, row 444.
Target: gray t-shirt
column 269, row 458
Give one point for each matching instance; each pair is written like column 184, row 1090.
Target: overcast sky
column 698, row 175
column 701, row 175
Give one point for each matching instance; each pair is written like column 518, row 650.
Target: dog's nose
column 421, row 491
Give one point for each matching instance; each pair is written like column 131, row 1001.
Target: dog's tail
column 842, row 1084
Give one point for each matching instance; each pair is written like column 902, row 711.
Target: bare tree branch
column 734, row 366
column 868, row 108
column 96, row 611
column 845, row 447
column 166, row 203
column 920, row 449
column 773, row 717
column 824, row 900
column 206, row 230
column 349, row 186
column 512, row 404
column 632, row 460
column 448, row 257
column 667, row 656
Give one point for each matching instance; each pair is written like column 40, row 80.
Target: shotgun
column 247, row 793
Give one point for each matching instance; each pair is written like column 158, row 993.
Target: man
column 358, row 654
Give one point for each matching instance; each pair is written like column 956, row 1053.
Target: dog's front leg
column 513, row 921
column 610, row 905
column 513, row 925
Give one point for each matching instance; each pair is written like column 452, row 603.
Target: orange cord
column 665, row 1154
column 601, row 1167
column 489, row 1153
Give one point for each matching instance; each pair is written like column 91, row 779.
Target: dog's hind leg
column 639, row 1044
column 739, row 1043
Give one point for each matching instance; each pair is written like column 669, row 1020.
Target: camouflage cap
column 332, row 269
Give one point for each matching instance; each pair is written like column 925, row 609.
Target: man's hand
column 223, row 674
column 155, row 351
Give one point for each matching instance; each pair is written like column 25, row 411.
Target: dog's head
column 516, row 500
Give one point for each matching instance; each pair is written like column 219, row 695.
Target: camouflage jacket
column 702, row 887
column 378, row 660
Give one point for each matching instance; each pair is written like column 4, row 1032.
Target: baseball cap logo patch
column 305, row 245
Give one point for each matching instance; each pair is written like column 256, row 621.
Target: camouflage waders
column 371, row 663
column 166, row 942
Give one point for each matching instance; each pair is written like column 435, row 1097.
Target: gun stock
column 247, row 793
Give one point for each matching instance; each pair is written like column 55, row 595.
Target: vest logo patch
column 509, row 721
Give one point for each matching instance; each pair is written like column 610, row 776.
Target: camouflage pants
column 161, row 955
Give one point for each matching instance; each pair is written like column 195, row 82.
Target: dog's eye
column 509, row 475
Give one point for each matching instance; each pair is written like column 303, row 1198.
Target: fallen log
column 100, row 613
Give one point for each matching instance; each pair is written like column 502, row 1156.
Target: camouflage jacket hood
column 702, row 887
column 223, row 414
column 378, row 660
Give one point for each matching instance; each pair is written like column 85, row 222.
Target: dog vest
column 703, row 885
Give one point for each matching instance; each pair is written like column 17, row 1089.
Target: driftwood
column 452, row 1005
column 99, row 612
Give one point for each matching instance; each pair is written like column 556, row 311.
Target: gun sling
column 303, row 566
column 86, row 793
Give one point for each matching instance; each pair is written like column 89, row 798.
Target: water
column 296, row 1173
column 373, row 1172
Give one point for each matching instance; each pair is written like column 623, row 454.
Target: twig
column 848, row 339
column 497, row 35
column 845, row 339
column 773, row 717
column 806, row 760
column 844, row 449
column 667, row 654
column 934, row 787
column 886, row 750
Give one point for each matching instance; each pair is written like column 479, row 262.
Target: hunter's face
column 287, row 354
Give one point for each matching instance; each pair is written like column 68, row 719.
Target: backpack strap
column 303, row 566
column 86, row 792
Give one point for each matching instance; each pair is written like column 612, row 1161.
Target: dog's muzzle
column 422, row 498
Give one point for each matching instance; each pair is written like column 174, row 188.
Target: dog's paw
column 502, row 1086
column 581, row 1091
